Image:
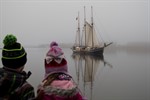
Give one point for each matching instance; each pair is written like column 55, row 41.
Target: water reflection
column 87, row 66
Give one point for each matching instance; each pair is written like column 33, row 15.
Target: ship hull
column 91, row 51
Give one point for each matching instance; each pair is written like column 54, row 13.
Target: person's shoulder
column 27, row 85
column 27, row 88
column 1, row 69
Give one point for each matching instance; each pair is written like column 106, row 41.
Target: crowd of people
column 57, row 84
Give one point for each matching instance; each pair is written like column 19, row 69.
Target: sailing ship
column 88, row 69
column 87, row 42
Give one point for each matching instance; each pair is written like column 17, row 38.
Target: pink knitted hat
column 55, row 50
column 55, row 61
column 53, row 43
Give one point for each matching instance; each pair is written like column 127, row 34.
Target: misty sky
column 37, row 22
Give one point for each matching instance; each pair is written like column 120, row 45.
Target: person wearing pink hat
column 57, row 84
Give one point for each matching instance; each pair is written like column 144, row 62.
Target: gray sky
column 42, row 21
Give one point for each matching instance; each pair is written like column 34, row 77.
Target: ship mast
column 79, row 29
column 85, row 24
column 92, row 25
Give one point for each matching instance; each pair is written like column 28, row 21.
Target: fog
column 37, row 22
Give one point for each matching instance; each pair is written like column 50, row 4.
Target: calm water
column 121, row 75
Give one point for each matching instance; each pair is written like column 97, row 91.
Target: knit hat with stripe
column 55, row 60
column 13, row 53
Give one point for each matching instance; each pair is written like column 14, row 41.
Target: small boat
column 87, row 42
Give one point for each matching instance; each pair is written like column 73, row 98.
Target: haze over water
column 37, row 22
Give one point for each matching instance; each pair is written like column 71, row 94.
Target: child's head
column 55, row 61
column 13, row 53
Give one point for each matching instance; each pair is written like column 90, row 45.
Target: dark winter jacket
column 13, row 85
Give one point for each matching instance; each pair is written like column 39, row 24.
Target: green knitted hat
column 13, row 54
